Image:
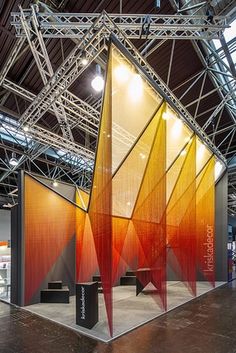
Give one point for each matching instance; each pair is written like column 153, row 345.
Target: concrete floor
column 129, row 310
column 204, row 325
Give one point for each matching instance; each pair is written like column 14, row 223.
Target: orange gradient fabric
column 100, row 207
column 205, row 215
column 48, row 228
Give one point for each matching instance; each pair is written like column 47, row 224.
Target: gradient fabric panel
column 49, row 225
column 177, row 135
column 134, row 102
column 119, row 233
column 181, row 218
column 205, row 198
column 82, row 199
column 149, row 216
column 127, row 180
column 86, row 258
column 101, row 199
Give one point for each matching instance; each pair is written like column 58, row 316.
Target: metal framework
column 94, row 41
column 134, row 26
column 90, row 33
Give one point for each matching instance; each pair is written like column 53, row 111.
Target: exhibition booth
column 149, row 236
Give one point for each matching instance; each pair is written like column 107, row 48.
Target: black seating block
column 96, row 278
column 130, row 273
column 55, row 295
column 128, row 281
column 55, row 285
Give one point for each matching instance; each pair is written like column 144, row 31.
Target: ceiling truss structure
column 71, row 111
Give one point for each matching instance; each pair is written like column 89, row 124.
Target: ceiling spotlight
column 13, row 161
column 26, row 128
column 98, row 81
column 84, row 60
column 55, row 183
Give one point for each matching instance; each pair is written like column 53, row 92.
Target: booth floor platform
column 129, row 311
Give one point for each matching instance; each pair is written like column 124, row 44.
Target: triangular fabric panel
column 149, row 215
column 181, row 218
column 119, row 233
column 48, row 228
column 205, row 200
column 101, row 199
column 126, row 182
column 134, row 103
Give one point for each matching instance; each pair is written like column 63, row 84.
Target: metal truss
column 80, row 113
column 32, row 147
column 134, row 26
column 93, row 43
column 39, row 51
column 11, row 58
column 66, row 74
column 49, row 139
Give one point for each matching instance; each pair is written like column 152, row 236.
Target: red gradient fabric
column 181, row 218
column 149, row 216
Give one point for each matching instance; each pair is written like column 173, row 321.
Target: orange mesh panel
column 126, row 182
column 49, row 226
column 205, row 200
column 101, row 202
column 181, row 218
column 149, row 215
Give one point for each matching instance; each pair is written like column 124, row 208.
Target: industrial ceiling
column 52, row 130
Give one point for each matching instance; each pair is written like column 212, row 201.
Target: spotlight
column 136, row 87
column 26, row 128
column 98, row 81
column 13, row 161
column 55, row 183
column 84, row 60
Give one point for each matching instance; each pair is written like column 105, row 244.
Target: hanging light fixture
column 55, row 183
column 13, row 161
column 26, row 128
column 84, row 60
column 98, row 81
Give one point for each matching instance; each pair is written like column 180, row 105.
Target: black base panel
column 128, row 281
column 55, row 296
column 55, row 285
